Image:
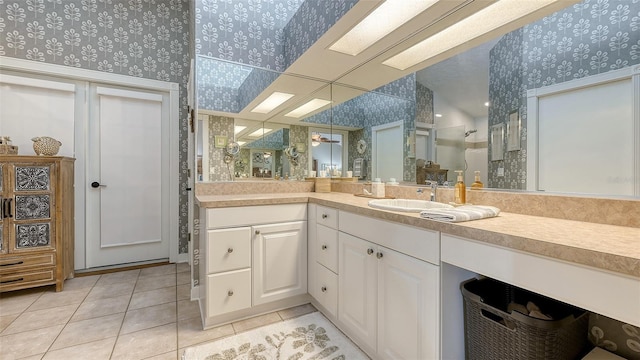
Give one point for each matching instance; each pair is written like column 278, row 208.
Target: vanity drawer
column 228, row 249
column 17, row 263
column 327, row 289
column 27, row 278
column 229, row 291
column 327, row 216
column 327, row 247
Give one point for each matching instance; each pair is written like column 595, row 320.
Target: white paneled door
column 127, row 175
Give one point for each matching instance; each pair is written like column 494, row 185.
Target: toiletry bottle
column 377, row 188
column 477, row 184
column 460, row 191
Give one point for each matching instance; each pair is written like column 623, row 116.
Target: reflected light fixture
column 438, row 115
column 310, row 106
column 486, row 104
column 238, row 128
column 386, row 18
column 240, row 143
column 484, row 21
column 259, row 132
column 271, row 102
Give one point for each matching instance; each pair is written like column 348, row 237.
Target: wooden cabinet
column 37, row 229
column 255, row 261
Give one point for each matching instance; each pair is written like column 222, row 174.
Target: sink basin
column 406, row 205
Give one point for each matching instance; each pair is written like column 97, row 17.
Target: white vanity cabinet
column 388, row 301
column 323, row 257
column 254, row 260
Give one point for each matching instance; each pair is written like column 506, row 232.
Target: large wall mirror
column 468, row 112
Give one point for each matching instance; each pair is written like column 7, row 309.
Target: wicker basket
column 492, row 333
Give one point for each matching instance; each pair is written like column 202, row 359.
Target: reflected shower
column 470, row 132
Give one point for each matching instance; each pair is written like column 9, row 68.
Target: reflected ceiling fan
column 317, row 139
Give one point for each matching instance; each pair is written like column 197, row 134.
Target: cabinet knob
column 324, row 289
column 379, row 255
column 230, row 250
column 369, row 251
column 324, row 216
column 230, row 293
column 324, row 247
column 257, row 232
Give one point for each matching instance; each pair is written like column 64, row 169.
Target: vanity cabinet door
column 408, row 315
column 279, row 261
column 357, row 288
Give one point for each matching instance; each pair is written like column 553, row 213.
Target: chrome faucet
column 434, row 189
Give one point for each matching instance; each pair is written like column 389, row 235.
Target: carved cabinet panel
column 36, row 231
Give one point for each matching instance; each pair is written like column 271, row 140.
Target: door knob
column 96, row 184
column 324, row 289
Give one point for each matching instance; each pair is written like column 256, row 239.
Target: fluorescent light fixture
column 484, row 21
column 310, row 106
column 259, row 132
column 438, row 115
column 240, row 143
column 238, row 128
column 271, row 102
column 378, row 24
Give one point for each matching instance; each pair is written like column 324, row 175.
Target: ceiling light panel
column 273, row 101
column 378, row 24
column 310, row 106
column 238, row 128
column 484, row 21
column 259, row 133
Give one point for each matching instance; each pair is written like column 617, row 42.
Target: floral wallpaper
column 219, row 126
column 299, row 135
column 140, row 38
column 590, row 37
column 424, row 104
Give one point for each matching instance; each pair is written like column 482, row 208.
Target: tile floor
column 136, row 314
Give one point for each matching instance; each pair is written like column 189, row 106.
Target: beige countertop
column 607, row 247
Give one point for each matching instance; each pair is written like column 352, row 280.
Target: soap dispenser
column 477, row 184
column 460, row 191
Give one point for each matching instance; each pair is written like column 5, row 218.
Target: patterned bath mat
column 310, row 337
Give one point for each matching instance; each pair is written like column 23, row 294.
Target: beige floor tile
column 183, row 278
column 33, row 357
column 18, row 301
column 52, row 299
column 148, row 283
column 118, row 277
column 184, row 292
column 29, row 343
column 95, row 350
column 5, row 320
column 102, row 307
column 153, row 297
column 296, row 311
column 109, row 291
column 159, row 270
column 182, row 267
column 190, row 332
column 255, row 322
column 145, row 318
column 85, row 331
column 81, row 282
column 188, row 309
column 39, row 319
column 146, row 343
column 171, row 355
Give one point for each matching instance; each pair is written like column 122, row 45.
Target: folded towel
column 461, row 213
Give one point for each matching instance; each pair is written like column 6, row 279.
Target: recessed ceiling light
column 310, row 106
column 271, row 102
column 438, row 115
column 240, row 143
column 259, row 132
column 238, row 128
column 486, row 104
column 484, row 21
column 378, row 24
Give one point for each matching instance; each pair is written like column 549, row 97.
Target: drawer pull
column 324, row 216
column 324, row 289
column 324, row 247
column 369, row 251
column 257, row 232
column 11, row 281
column 12, row 264
column 230, row 250
column 379, row 255
column 230, row 293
